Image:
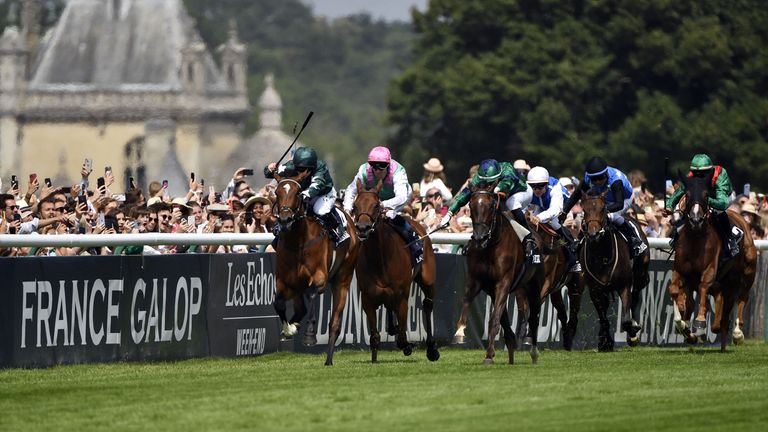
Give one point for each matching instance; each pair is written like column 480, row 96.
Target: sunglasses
column 13, row 207
column 60, row 209
column 379, row 165
column 434, row 195
column 539, row 186
column 153, row 219
column 165, row 217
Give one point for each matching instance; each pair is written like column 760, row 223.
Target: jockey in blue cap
column 547, row 200
column 394, row 194
column 600, row 177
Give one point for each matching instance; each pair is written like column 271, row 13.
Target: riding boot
column 415, row 244
column 637, row 246
column 730, row 234
column 574, row 265
column 529, row 243
column 336, row 230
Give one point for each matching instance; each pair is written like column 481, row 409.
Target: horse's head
column 696, row 200
column 366, row 209
column 288, row 202
column 595, row 214
column 483, row 206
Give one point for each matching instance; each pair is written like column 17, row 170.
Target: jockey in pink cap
column 395, row 192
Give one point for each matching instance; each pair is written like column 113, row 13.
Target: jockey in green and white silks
column 599, row 178
column 316, row 190
column 394, row 195
column 719, row 200
column 507, row 182
column 547, row 202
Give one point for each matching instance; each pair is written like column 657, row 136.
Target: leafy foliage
column 556, row 82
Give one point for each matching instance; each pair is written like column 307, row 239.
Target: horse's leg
column 370, row 316
column 738, row 333
column 510, row 340
column 287, row 329
column 473, row 289
column 310, row 300
column 522, row 318
column 726, row 300
column 705, row 284
column 681, row 306
column 601, row 302
column 627, row 323
column 562, row 317
column 392, row 323
column 534, row 308
column 427, row 305
column 340, row 291
column 500, row 304
column 402, row 318
column 575, row 289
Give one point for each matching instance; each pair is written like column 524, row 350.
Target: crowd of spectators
column 245, row 205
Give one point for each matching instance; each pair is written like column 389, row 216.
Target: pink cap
column 379, row 154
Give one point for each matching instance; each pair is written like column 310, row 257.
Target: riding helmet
column 701, row 162
column 379, row 154
column 538, row 175
column 305, row 157
column 596, row 167
column 490, row 170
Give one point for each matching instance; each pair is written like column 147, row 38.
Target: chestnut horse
column 385, row 272
column 496, row 264
column 556, row 276
column 608, row 268
column 698, row 268
column 307, row 263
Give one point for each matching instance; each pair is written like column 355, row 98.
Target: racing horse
column 556, row 275
column 496, row 265
column 307, row 263
column 698, row 268
column 608, row 268
column 385, row 271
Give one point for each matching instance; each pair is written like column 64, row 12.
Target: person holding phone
column 237, row 182
column 720, row 189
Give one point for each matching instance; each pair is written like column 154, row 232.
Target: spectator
column 434, row 178
column 522, row 167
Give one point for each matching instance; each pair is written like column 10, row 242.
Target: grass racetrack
column 644, row 389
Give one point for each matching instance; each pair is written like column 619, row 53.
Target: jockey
column 548, row 195
column 507, row 183
column 600, row 177
column 719, row 199
column 394, row 194
column 317, row 190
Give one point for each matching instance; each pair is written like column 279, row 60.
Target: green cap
column 305, row 157
column 701, row 162
column 490, row 170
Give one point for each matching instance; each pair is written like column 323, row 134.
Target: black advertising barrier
column 241, row 318
column 100, row 309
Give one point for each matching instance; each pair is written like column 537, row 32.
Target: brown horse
column 698, row 268
column 556, row 276
column 608, row 268
column 496, row 264
column 306, row 265
column 385, row 272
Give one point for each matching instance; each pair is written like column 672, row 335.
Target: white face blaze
column 287, row 187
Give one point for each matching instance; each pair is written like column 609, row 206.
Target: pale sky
column 387, row 9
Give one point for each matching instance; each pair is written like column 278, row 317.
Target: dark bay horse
column 608, row 268
column 307, row 263
column 385, row 272
column 495, row 265
column 697, row 268
column 556, row 276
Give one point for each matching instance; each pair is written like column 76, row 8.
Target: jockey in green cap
column 316, row 190
column 508, row 183
column 719, row 200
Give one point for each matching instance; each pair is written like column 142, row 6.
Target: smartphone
column 165, row 184
column 202, row 182
column 88, row 165
column 192, row 176
column 14, row 182
column 48, row 182
column 100, row 182
column 110, row 222
column 668, row 184
column 32, row 178
column 16, row 216
column 82, row 200
column 746, row 189
column 131, row 183
column 248, row 218
column 247, row 172
column 100, row 219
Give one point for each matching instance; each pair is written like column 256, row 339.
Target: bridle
column 482, row 241
column 375, row 216
column 293, row 214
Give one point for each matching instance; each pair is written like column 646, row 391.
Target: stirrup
column 575, row 268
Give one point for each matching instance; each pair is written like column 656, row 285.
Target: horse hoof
column 488, row 361
column 433, row 354
column 408, row 350
column 738, row 336
column 459, row 339
column 329, row 362
column 691, row 339
column 527, row 341
column 289, row 330
column 309, row 340
column 701, row 328
column 633, row 341
column 534, row 355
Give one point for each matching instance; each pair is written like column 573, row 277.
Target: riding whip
column 309, row 116
column 441, row 227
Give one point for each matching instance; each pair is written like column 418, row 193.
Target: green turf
column 641, row 389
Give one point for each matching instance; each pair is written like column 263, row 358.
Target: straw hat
column 180, row 201
column 25, row 211
column 433, row 165
column 217, row 207
column 154, row 200
column 521, row 164
column 641, row 218
column 257, row 199
column 750, row 208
